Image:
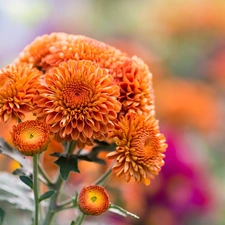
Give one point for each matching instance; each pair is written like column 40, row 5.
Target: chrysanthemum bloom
column 31, row 137
column 93, row 200
column 79, row 101
column 17, row 89
column 79, row 47
column 136, row 91
column 39, row 48
column 50, row 50
column 140, row 147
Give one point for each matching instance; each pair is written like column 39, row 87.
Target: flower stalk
column 53, row 202
column 80, row 219
column 36, row 188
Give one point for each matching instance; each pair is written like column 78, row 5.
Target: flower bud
column 93, row 200
column 31, row 137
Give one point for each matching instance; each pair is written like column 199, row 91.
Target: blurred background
column 183, row 43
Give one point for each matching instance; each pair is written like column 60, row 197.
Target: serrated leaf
column 120, row 211
column 15, row 192
column 46, row 195
column 67, row 165
column 103, row 146
column 26, row 180
column 99, row 161
column 2, row 215
column 103, row 143
column 83, row 157
column 7, row 150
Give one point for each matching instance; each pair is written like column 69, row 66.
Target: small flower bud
column 93, row 200
column 31, row 137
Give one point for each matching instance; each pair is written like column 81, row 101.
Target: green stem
column 52, row 209
column 64, row 208
column 36, row 187
column 61, row 206
column 71, row 146
column 104, row 176
column 66, row 202
column 80, row 219
column 49, row 183
column 53, row 202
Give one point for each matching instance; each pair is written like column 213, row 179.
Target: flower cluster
column 86, row 90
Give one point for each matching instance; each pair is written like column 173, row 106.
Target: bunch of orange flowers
column 84, row 90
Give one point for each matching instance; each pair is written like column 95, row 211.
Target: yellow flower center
column 95, row 197
column 31, row 136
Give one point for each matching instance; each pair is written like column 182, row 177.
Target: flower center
column 94, row 198
column 30, row 137
column 145, row 143
column 76, row 95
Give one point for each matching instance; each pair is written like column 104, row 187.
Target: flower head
column 31, row 137
column 78, row 47
column 93, row 200
column 140, row 147
column 17, row 89
column 50, row 50
column 39, row 48
column 136, row 91
column 79, row 101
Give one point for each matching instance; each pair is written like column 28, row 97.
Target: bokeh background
column 183, row 43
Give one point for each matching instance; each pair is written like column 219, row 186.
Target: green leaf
column 46, row 195
column 14, row 192
column 7, row 150
column 102, row 143
column 120, row 211
column 103, row 146
column 72, row 223
column 90, row 156
column 26, row 180
column 2, row 215
column 20, row 171
column 67, row 165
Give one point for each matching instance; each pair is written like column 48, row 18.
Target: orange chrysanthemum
column 79, row 101
column 93, row 200
column 17, row 89
column 140, row 147
column 136, row 91
column 50, row 50
column 39, row 48
column 31, row 137
column 132, row 75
